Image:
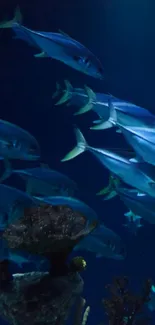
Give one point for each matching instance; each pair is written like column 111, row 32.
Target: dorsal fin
column 63, row 33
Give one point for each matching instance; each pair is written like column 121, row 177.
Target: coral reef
column 124, row 307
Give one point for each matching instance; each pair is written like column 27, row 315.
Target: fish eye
column 81, row 60
column 77, row 58
column 14, row 144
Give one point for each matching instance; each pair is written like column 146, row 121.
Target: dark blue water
column 121, row 34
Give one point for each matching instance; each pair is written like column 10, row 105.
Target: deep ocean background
column 121, row 34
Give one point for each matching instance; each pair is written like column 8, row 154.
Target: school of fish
column 132, row 179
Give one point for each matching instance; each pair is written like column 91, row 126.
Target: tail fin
column 91, row 99
column 17, row 19
column 80, row 147
column 41, row 55
column 67, row 93
column 58, row 90
column 110, row 122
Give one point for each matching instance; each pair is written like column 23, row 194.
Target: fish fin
column 17, row 19
column 7, row 170
column 41, row 55
column 118, row 131
column 87, row 230
column 97, row 121
column 152, row 185
column 110, row 122
column 110, row 196
column 91, row 99
column 64, row 34
column 136, row 159
column 142, row 194
column 80, row 147
column 102, row 126
column 57, row 92
column 128, row 214
column 68, row 92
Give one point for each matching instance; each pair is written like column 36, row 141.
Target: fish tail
column 17, row 19
column 110, row 196
column 91, row 101
column 80, row 147
column 58, row 91
column 67, row 93
column 110, row 122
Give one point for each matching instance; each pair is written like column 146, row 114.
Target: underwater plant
column 124, row 307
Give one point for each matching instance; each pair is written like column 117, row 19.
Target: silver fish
column 58, row 46
column 100, row 103
column 73, row 203
column 43, row 181
column 125, row 169
column 133, row 222
column 104, row 243
column 16, row 143
column 140, row 205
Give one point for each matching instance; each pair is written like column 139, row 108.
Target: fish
column 71, row 202
column 18, row 257
column 141, row 139
column 100, row 103
column 143, row 206
column 103, row 242
column 16, row 143
column 151, row 302
column 127, row 114
column 123, row 168
column 12, row 204
column 43, row 181
column 110, row 191
column 133, row 222
column 59, row 46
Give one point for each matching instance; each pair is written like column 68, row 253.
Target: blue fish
column 58, row 46
column 71, row 202
column 133, row 222
column 126, row 170
column 16, row 143
column 142, row 141
column 20, row 258
column 127, row 113
column 151, row 303
column 12, row 204
column 140, row 205
column 43, row 181
column 104, row 243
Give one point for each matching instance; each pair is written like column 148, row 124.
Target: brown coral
column 123, row 307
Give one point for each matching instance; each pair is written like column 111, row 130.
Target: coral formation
column 124, row 307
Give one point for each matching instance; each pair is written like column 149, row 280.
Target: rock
column 38, row 299
column 45, row 229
